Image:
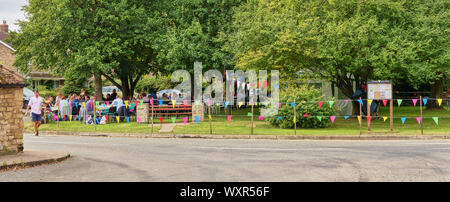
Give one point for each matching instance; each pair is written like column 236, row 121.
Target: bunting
column 128, row 119
column 173, row 119
column 332, row 118
column 439, row 102
column 361, row 102
column 185, row 120
column 240, row 104
column 414, row 102
column 369, row 102
column 197, row 119
column 160, row 103
column 293, row 104
column 306, row 115
column 424, row 100
column 279, row 117
column 436, row 120
column 261, row 118
column 419, row 119
column 385, row 118
column 399, row 102
column 403, row 120
column 320, row 104
column 139, row 120
column 331, row 103
column 385, row 102
column 173, row 103
column 161, row 119
column 369, row 118
column 225, row 105
column 279, row 105
column 346, row 117
column 359, row 120
column 229, row 118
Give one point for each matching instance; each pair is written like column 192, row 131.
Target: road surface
column 134, row 159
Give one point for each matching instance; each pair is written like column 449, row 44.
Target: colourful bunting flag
column 331, row 103
column 185, row 120
column 319, row 117
column 84, row 104
column 439, row 102
column 295, row 119
column 414, row 102
column 151, row 102
column 197, row 119
column 419, row 119
column 118, row 119
column 346, row 117
column 249, row 114
column 185, row 103
column 369, row 102
column 209, row 102
column 320, row 104
column 332, row 118
column 403, row 120
column 229, row 118
column 424, row 100
column 359, row 120
column 293, row 104
column 385, row 102
column 346, row 101
column 161, row 119
column 210, row 118
column 361, row 102
column 369, row 118
column 173, row 103
column 306, row 115
column 128, row 119
column 136, row 103
column 197, row 102
column 436, row 120
column 126, row 103
column 399, row 102
column 261, row 118
column 173, row 119
column 280, row 117
column 385, row 118
column 107, row 103
column 240, row 104
column 265, row 84
column 160, row 102
column 139, row 120
column 70, row 117
column 279, row 105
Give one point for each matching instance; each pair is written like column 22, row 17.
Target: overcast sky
column 10, row 10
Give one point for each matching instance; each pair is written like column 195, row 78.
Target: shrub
column 306, row 99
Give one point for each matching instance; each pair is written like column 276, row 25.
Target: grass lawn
column 241, row 124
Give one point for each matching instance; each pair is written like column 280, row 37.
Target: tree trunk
column 436, row 92
column 98, row 86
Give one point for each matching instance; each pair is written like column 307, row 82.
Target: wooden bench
column 170, row 111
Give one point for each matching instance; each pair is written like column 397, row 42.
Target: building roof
column 7, row 46
column 10, row 78
column 3, row 36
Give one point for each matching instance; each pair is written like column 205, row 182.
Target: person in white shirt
column 35, row 104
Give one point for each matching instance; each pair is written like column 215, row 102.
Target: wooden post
column 360, row 116
column 368, row 114
column 295, row 118
column 252, row 117
column 95, row 120
column 421, row 119
column 391, row 114
column 209, row 112
column 152, row 118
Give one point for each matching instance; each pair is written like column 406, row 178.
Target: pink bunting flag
column 261, row 118
column 332, row 118
column 209, row 102
column 279, row 105
column 161, row 119
column 306, row 115
column 185, row 102
column 265, row 84
column 414, row 102
column 136, row 102
column 368, row 119
column 385, row 102
column 419, row 119
column 151, row 101
column 107, row 102
column 229, row 118
column 185, row 120
column 346, row 101
column 139, row 120
column 320, row 104
column 70, row 104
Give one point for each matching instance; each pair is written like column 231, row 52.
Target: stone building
column 11, row 121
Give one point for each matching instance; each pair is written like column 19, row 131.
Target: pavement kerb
column 35, row 163
column 270, row 137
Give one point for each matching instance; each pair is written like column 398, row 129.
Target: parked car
column 109, row 90
column 27, row 94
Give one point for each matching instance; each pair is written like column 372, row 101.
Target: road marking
column 268, row 149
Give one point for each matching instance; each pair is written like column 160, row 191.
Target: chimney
column 4, row 27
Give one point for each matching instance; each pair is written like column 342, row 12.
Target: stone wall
column 142, row 112
column 11, row 121
column 6, row 57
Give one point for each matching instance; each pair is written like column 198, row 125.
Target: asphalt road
column 132, row 159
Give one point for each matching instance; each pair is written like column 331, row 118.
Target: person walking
column 35, row 104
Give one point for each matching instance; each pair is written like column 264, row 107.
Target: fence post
column 252, row 103
column 152, row 116
column 295, row 118
column 421, row 119
column 368, row 114
column 360, row 117
column 209, row 112
column 391, row 114
column 95, row 117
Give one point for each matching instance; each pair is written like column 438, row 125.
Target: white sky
column 10, row 10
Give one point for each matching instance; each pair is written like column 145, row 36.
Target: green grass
column 241, row 125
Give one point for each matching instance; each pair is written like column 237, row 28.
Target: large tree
column 345, row 42
column 103, row 37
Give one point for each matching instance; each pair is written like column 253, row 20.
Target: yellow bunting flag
column 439, row 102
column 210, row 117
column 369, row 101
column 240, row 104
column 118, row 119
column 84, row 105
column 173, row 103
column 359, row 119
column 385, row 118
column 295, row 119
column 70, row 117
column 126, row 104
